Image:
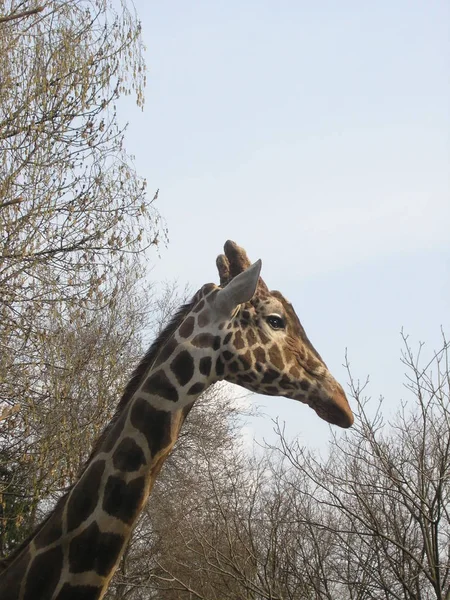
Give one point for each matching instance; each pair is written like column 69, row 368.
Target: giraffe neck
column 79, row 546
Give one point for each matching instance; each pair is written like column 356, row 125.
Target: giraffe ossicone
column 240, row 290
column 239, row 332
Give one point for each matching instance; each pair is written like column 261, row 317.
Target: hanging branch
column 26, row 13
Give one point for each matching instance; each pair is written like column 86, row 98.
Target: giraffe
column 240, row 332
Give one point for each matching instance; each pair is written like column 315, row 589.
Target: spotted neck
column 78, row 548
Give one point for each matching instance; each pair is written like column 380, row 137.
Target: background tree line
column 368, row 521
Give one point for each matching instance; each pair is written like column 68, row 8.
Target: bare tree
column 74, row 218
column 71, row 204
column 370, row 522
column 386, row 488
column 84, row 360
column 72, row 207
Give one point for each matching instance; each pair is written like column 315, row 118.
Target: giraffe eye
column 276, row 322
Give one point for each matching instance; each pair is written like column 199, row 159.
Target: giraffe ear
column 240, row 289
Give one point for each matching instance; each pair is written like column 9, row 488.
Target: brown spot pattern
column 197, row 388
column 251, row 337
column 13, row 577
column 128, row 456
column 114, row 431
column 263, row 337
column 312, row 363
column 269, row 376
column 159, row 384
column 52, row 529
column 294, row 372
column 285, row 383
column 233, row 367
column 154, row 424
column 244, row 364
column 199, row 306
column 245, row 377
column 203, row 319
column 238, row 341
column 183, row 367
column 84, row 496
column 220, row 367
column 187, row 327
column 275, row 357
column 272, row 390
column 227, row 338
column 205, row 365
column 259, row 354
column 43, row 576
column 287, row 354
column 166, row 351
column 204, row 340
column 210, row 299
column 122, row 500
column 93, row 550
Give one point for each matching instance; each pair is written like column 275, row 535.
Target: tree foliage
column 71, row 204
column 74, row 220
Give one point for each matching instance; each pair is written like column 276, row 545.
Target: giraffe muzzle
column 334, row 407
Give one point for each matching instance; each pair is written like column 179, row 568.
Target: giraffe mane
column 128, row 392
column 143, row 366
column 154, row 350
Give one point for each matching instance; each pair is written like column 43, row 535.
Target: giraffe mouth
column 333, row 408
column 330, row 403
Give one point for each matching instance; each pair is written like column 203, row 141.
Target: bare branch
column 21, row 15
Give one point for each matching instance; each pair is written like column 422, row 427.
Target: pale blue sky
column 316, row 135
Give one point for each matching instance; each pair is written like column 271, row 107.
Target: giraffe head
column 259, row 341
